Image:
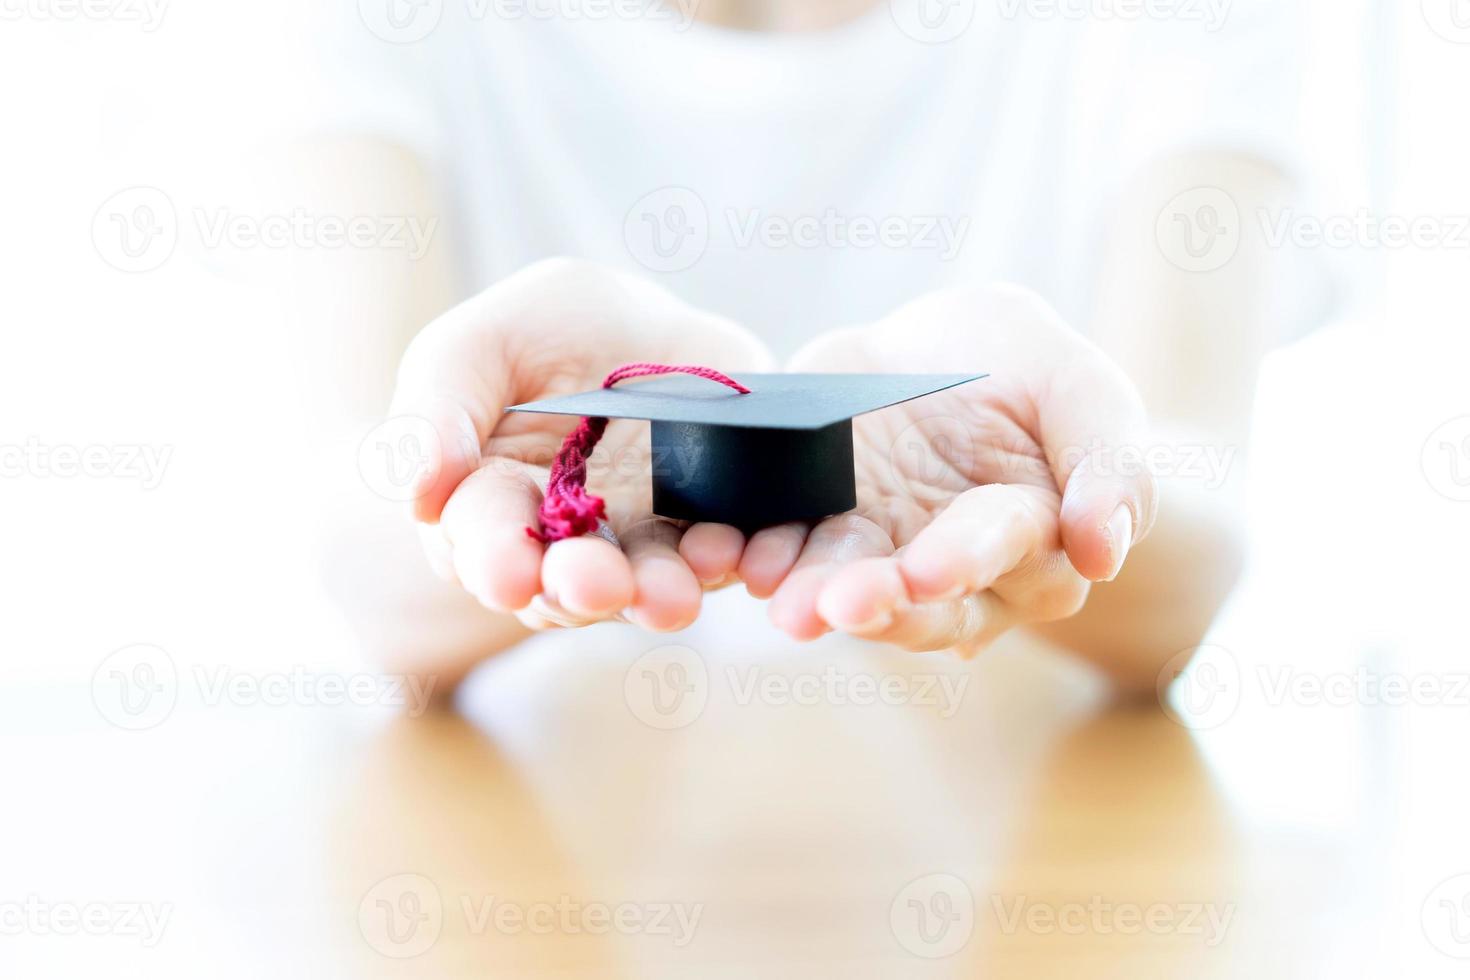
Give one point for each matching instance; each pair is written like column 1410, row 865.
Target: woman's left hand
column 988, row 506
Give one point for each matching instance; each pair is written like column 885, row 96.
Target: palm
column 551, row 329
column 914, row 459
column 525, row 442
column 960, row 529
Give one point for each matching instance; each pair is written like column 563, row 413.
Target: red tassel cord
column 568, row 510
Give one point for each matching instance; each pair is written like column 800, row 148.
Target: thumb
column 451, row 378
column 1092, row 428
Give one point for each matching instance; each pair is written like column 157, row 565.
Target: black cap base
column 751, row 478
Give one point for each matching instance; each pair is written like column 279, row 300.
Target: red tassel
column 568, row 510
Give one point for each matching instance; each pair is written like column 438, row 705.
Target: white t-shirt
column 799, row 182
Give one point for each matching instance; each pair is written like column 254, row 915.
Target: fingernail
column 880, row 622
column 949, row 595
column 1120, row 538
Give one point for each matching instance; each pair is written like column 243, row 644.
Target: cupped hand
column 984, row 507
column 555, row 328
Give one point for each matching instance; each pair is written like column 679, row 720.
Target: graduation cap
column 751, row 451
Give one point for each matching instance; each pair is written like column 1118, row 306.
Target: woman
column 818, row 186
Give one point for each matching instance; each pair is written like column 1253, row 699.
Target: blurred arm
column 358, row 309
column 1193, row 342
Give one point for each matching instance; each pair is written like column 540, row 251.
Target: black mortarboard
column 781, row 452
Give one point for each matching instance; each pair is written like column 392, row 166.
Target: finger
column 588, row 576
column 452, row 376
column 861, row 598
column 485, row 523
column 769, row 558
column 1092, row 424
column 846, row 538
column 984, row 533
column 966, row 625
column 438, row 551
column 545, row 614
column 666, row 593
column 713, row 551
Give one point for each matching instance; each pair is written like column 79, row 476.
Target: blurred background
column 161, row 493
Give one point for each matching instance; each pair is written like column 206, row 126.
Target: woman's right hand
column 554, row 328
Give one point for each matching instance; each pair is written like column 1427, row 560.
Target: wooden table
column 559, row 825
